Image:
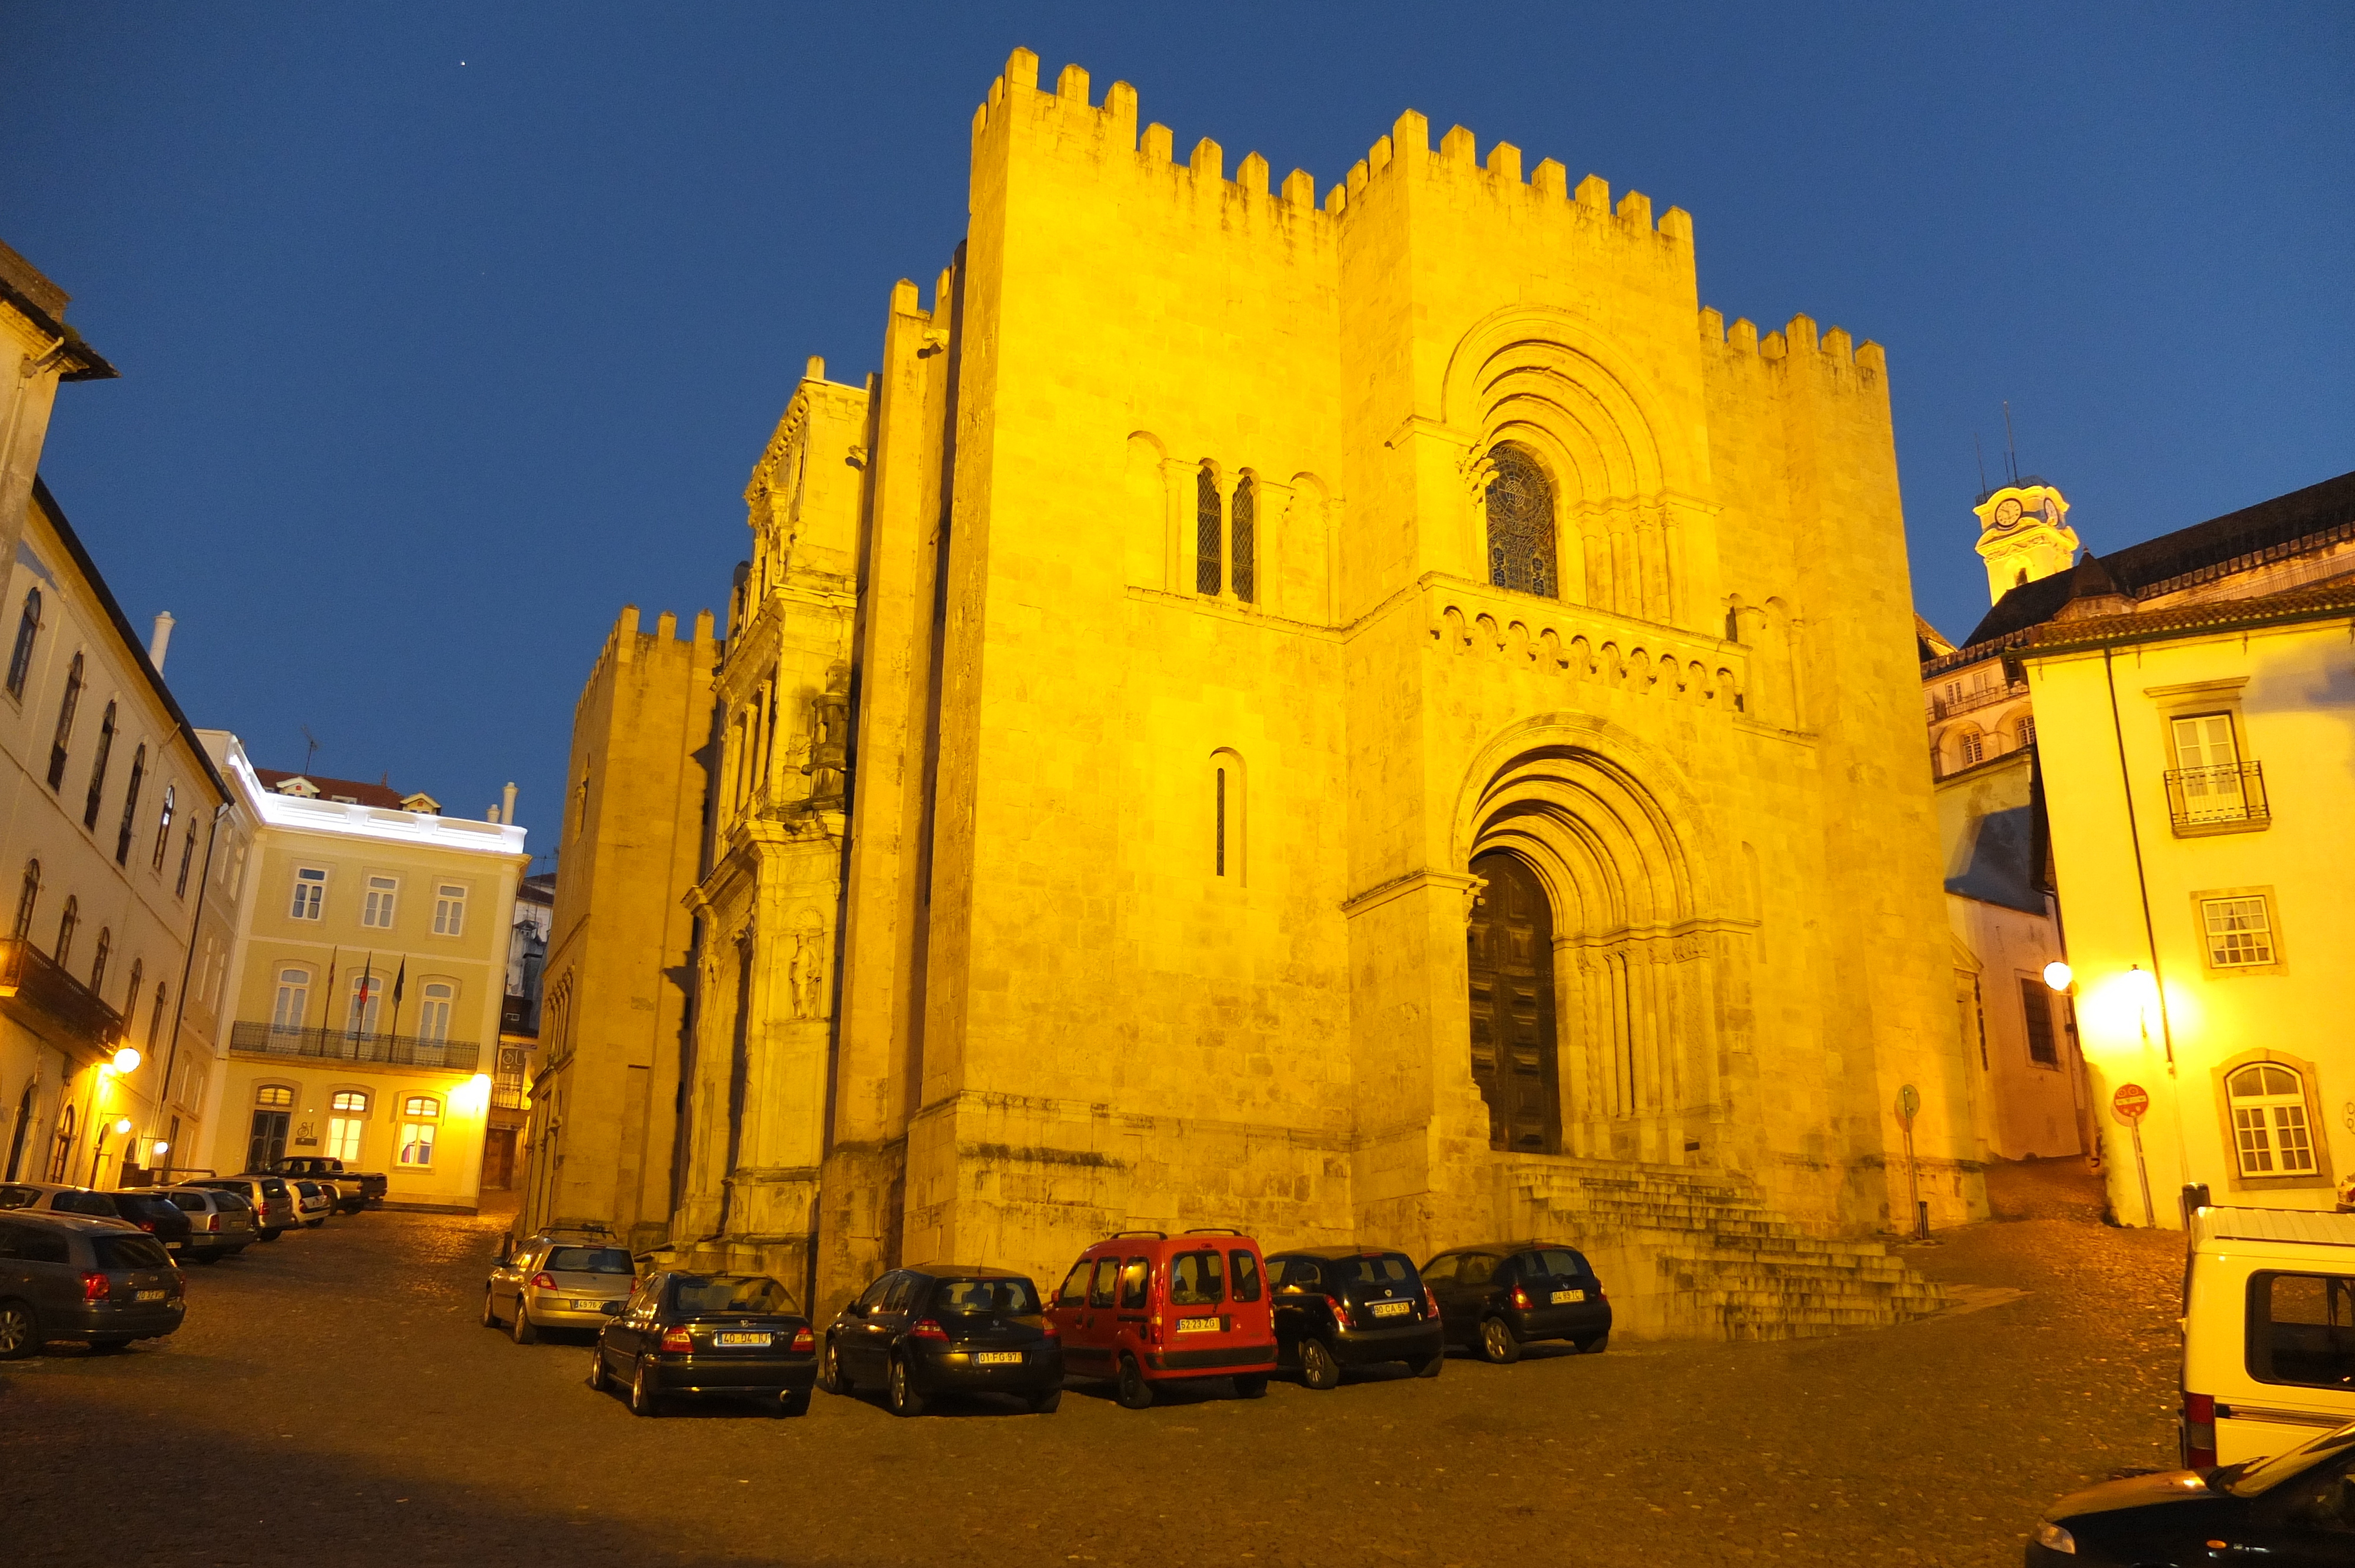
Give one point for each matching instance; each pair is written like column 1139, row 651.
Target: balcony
column 324, row 1044
column 1945, row 707
column 53, row 1004
column 2230, row 799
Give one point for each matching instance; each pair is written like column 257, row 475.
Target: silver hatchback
column 220, row 1223
column 556, row 1282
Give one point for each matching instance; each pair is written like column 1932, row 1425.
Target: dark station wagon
column 65, row 1276
column 945, row 1328
column 1499, row 1297
column 702, row 1335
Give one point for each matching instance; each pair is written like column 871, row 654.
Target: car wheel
column 597, row 1368
column 642, row 1400
column 829, row 1370
column 1498, row 1343
column 272, row 1236
column 794, row 1402
column 1134, row 1392
column 490, row 1312
column 1250, row 1385
column 907, row 1399
column 20, row 1330
column 1045, row 1404
column 206, row 1257
column 1431, row 1368
column 524, row 1329
column 1596, row 1346
column 1319, row 1370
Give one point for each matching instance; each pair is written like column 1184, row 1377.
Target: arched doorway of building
column 1509, row 961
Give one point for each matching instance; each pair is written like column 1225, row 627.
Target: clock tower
column 2024, row 535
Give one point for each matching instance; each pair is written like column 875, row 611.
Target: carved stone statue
column 805, row 976
column 829, row 747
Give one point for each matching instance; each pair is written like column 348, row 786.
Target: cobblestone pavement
column 332, row 1400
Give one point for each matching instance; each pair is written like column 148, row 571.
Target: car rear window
column 96, row 1203
column 129, row 1252
column 1018, row 1298
column 699, row 1293
column 1390, row 1268
column 1245, row 1276
column 1196, row 1279
column 1296, row 1272
column 146, row 1205
column 590, row 1260
column 17, row 1197
column 1555, row 1263
column 2302, row 1329
column 193, row 1202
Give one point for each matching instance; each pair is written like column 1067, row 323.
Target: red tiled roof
column 336, row 789
column 2320, row 602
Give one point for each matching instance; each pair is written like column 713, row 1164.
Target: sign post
column 1909, row 1104
column 2128, row 1105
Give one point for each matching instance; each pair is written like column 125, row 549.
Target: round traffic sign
column 2130, row 1102
column 1909, row 1102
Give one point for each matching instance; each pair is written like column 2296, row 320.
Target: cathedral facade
column 1377, row 719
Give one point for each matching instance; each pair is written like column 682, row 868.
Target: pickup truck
column 354, row 1190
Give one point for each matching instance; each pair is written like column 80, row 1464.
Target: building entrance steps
column 1694, row 1253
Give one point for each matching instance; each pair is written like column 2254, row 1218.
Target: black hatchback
column 2296, row 1507
column 154, row 1214
column 945, row 1328
column 1499, row 1297
column 1340, row 1307
column 732, row 1335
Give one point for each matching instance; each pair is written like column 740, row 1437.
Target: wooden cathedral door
column 1510, row 954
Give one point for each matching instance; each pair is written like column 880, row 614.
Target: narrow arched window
column 131, row 808
column 1227, row 814
column 66, row 923
column 188, row 858
column 433, row 1015
column 1222, row 796
column 59, row 741
column 156, row 1021
column 131, row 1000
column 1208, row 524
column 1244, row 572
column 98, row 963
column 26, row 898
column 1520, row 524
column 98, row 769
column 29, row 628
column 163, row 828
column 2271, row 1134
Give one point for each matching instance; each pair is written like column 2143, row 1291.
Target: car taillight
column 147, row 1225
column 1429, row 1303
column 542, row 1281
column 1340, row 1305
column 1520, row 1296
column 1047, row 1327
column 93, row 1287
column 678, row 1340
column 925, row 1329
column 212, row 1222
column 2199, row 1431
column 804, row 1341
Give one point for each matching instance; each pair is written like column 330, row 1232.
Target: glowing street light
column 160, row 1149
column 127, row 1060
column 122, row 1126
column 2058, row 975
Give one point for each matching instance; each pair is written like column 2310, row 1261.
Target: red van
column 1146, row 1308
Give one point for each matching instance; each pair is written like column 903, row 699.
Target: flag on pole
column 398, row 980
column 329, row 1000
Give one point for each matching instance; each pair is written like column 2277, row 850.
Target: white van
column 2268, row 1331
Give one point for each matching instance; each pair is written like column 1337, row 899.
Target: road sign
column 1909, row 1102
column 2130, row 1102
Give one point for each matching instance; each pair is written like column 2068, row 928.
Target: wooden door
column 1510, row 960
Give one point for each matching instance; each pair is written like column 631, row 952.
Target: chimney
column 507, row 803
column 160, row 641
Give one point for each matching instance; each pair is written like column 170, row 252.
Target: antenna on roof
column 2010, row 449
column 1982, row 452
column 310, row 748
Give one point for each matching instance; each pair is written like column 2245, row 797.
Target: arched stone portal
column 1509, row 958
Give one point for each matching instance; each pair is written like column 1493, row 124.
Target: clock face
column 2007, row 511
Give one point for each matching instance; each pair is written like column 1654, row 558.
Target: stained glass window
column 1246, row 571
column 1207, row 529
column 1520, row 524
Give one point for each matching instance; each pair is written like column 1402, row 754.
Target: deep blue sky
column 429, row 366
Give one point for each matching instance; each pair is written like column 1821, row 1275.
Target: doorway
column 498, row 1158
column 267, row 1147
column 1509, row 961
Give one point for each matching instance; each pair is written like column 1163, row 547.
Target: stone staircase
column 1692, row 1253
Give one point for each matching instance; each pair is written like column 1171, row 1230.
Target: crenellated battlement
column 1798, row 337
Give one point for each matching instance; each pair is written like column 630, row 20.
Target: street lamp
column 2058, row 975
column 122, row 1126
column 127, row 1060
column 160, row 1149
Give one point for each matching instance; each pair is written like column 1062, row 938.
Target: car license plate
column 741, row 1339
column 586, row 1304
column 1198, row 1325
column 1392, row 1309
column 151, row 1296
column 999, row 1359
column 1560, row 1297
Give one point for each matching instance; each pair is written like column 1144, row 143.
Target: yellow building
column 2191, row 697
column 362, row 999
column 111, row 816
column 1379, row 720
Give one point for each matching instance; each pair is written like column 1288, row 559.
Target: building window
column 98, row 769
column 367, row 998
column 61, row 1155
column 2036, row 1003
column 2208, row 778
column 64, row 736
column 1974, row 747
column 131, row 808
column 98, row 963
column 377, row 910
column 1221, row 791
column 1227, row 803
column 420, row 1113
column 348, row 1121
column 433, row 1016
column 27, row 896
column 1244, row 572
column 1209, row 574
column 273, row 1096
column 1520, row 524
column 310, row 894
column 2270, row 1133
column 2027, row 732
column 156, row 1029
column 130, row 999
column 163, row 829
column 66, row 923
column 449, row 910
column 28, row 626
column 294, row 999
column 2240, row 932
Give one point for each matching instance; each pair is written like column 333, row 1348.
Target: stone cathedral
column 1378, row 719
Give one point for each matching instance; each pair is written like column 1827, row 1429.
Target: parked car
column 154, row 1214
column 220, row 1223
column 560, row 1280
column 2268, row 1353
column 1499, row 1297
column 271, row 1200
column 1340, row 1307
column 314, row 1201
column 730, row 1335
column 71, row 1277
column 2298, row 1506
column 1145, row 1308
column 59, row 1197
column 945, row 1328
column 354, row 1190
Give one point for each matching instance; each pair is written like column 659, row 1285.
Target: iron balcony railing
column 348, row 1045
column 506, row 1096
column 2229, row 798
column 35, row 985
column 1943, row 706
